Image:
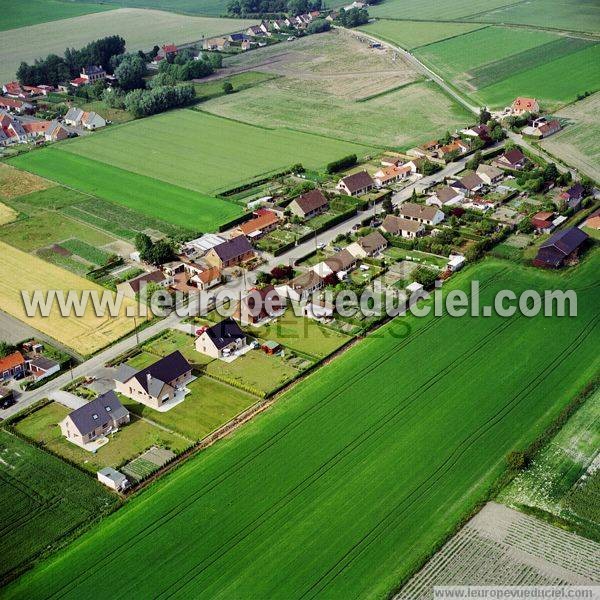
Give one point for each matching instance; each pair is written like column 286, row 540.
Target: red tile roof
column 11, row 361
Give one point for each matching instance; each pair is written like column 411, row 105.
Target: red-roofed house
column 523, row 105
column 12, row 365
column 542, row 221
column 17, row 106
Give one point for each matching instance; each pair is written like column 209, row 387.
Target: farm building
column 561, row 248
column 94, row 420
column 309, row 205
column 162, row 383
column 231, row 253
column 356, row 184
column 223, row 340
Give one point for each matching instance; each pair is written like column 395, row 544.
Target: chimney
column 148, row 379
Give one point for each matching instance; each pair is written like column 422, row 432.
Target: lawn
column 141, row 29
column 116, row 115
column 397, row 254
column 151, row 197
column 344, row 486
column 209, row 405
column 412, row 34
column 124, row 445
column 42, row 500
column 173, row 340
column 495, row 64
column 201, row 155
column 21, row 272
column 301, row 334
column 16, row 13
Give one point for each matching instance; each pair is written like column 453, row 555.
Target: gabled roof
column 358, row 181
column 209, row 275
column 234, row 248
column 265, row 219
column 575, row 192
column 11, row 361
column 393, row 225
column 311, row 201
column 163, row 371
column 566, row 241
column 418, row 211
column 446, row 193
column 513, row 156
column 224, row 333
column 372, row 242
column 97, row 412
column 470, row 182
column 341, row 261
column 308, row 280
column 136, row 283
column 489, row 170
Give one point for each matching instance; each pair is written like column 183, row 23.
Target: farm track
column 186, row 501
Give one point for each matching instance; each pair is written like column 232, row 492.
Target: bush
column 342, row 163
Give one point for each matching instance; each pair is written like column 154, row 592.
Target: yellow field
column 15, row 183
column 7, row 214
column 87, row 334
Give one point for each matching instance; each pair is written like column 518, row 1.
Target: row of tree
column 259, row 7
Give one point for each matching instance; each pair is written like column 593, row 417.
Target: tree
column 414, row 196
column 354, row 17
column 525, row 226
column 318, row 26
column 228, row 87
column 474, row 162
column 517, row 460
column 282, row 272
column 387, row 205
column 497, row 133
column 297, row 7
column 130, row 72
column 551, row 172
column 6, row 349
column 161, row 252
column 484, row 115
column 425, row 276
column 263, row 278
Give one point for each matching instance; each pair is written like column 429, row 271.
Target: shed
column 113, row 479
column 271, row 347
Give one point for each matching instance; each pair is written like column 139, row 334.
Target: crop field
column 578, row 142
column 412, row 34
column 142, row 29
column 23, row 272
column 433, row 9
column 208, row 154
column 502, row 547
column 7, row 214
column 282, row 510
column 581, row 15
column 42, row 499
column 15, row 183
column 213, row 8
column 495, row 64
column 16, row 13
column 151, row 197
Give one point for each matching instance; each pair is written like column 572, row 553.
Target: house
column 280, row 24
column 161, row 383
column 113, row 479
column 93, row 73
column 255, row 31
column 427, row 150
column 489, row 174
column 56, row 132
column 318, row 310
column 573, row 196
column 356, row 184
column 78, row 82
column 246, row 45
column 271, row 347
column 166, row 52
column 203, row 278
column 17, row 106
column 218, row 43
column 13, row 365
column 79, row 118
column 14, row 89
column 341, row 262
column 309, row 205
column 332, row 16
column 230, row 253
column 133, row 287
column 94, row 419
column 542, row 128
column 512, row 159
column 457, row 146
column 370, row 245
column 237, row 38
column 428, row 215
column 480, row 131
column 562, row 247
column 36, row 129
column 301, row 287
column 593, row 221
column 522, row 105
column 392, row 174
column 402, row 227
column 445, row 196
column 12, row 130
column 469, row 184
column 7, row 397
column 542, row 221
column 260, row 225
column 41, row 367
column 260, row 304
column 221, row 340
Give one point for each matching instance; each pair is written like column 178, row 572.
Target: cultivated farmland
column 15, row 183
column 7, row 214
column 157, row 199
column 142, row 29
column 42, row 500
column 213, row 8
column 433, row 9
column 24, row 272
column 203, row 154
column 344, row 485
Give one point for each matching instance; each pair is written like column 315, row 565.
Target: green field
column 213, row 8
column 579, row 15
column 16, row 13
column 240, row 81
column 496, row 64
column 204, row 153
column 344, row 485
column 157, row 199
column 433, row 9
column 42, row 500
column 412, row 34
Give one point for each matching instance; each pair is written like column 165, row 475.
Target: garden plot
column 14, row 182
column 148, row 462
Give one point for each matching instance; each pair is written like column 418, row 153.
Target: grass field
column 346, row 483
column 142, row 29
column 433, row 9
column 214, row 8
column 127, row 443
column 240, row 81
column 207, row 154
column 24, row 272
column 157, row 199
column 42, row 500
column 16, row 13
column 412, row 34
column 495, row 64
column 582, row 15
column 578, row 142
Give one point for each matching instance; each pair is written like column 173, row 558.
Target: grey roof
column 73, row 114
column 394, row 225
column 225, row 332
column 125, row 373
column 234, row 248
column 113, row 474
column 95, row 413
column 43, row 363
column 566, row 241
column 163, row 371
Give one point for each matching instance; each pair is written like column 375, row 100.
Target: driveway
column 67, row 399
